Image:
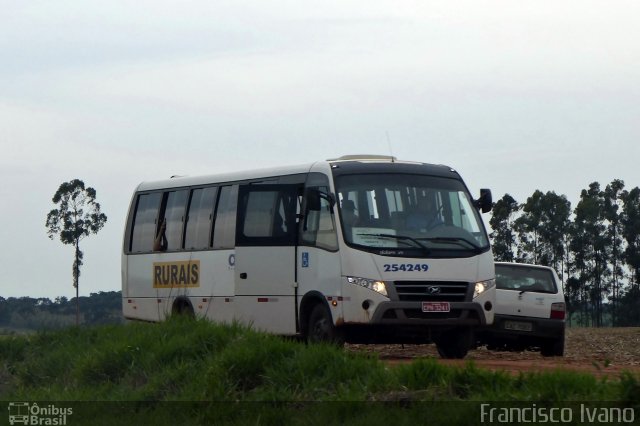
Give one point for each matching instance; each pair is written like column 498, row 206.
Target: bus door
column 319, row 262
column 265, row 258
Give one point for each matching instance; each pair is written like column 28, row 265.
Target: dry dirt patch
column 601, row 351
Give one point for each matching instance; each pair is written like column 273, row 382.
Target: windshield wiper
column 426, row 249
column 534, row 289
column 455, row 240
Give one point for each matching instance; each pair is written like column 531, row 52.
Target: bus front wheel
column 454, row 344
column 321, row 328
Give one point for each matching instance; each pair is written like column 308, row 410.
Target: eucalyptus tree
column 575, row 301
column 501, row 222
column 543, row 227
column 628, row 312
column 527, row 228
column 554, row 229
column 589, row 248
column 612, row 198
column 78, row 215
column 631, row 233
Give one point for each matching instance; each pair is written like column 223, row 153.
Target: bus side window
column 318, row 229
column 267, row 215
column 144, row 223
column 260, row 219
column 174, row 213
column 224, row 234
column 287, row 208
column 199, row 218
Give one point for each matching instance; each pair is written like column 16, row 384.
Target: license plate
column 436, row 307
column 518, row 326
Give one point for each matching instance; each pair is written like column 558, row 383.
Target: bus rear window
column 145, row 222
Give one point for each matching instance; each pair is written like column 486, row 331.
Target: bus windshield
column 402, row 214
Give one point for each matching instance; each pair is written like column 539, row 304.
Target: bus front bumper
column 412, row 313
column 405, row 322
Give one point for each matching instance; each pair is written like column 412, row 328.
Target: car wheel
column 554, row 347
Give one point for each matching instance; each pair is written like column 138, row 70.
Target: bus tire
column 321, row 329
column 454, row 345
column 182, row 309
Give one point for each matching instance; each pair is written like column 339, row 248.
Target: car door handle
column 243, row 275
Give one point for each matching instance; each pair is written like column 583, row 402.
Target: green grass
column 230, row 374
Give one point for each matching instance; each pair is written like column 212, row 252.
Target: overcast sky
column 515, row 95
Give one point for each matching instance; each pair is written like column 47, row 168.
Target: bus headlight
column 483, row 286
column 375, row 285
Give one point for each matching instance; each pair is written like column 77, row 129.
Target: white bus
column 359, row 248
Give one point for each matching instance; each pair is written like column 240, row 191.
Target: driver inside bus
column 425, row 217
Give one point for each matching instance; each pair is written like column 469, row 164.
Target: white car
column 530, row 310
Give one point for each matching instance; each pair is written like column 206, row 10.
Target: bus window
column 197, row 235
column 268, row 215
column 259, row 217
column 224, row 234
column 174, row 216
column 144, row 225
column 319, row 225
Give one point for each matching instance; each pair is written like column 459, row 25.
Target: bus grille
column 431, row 291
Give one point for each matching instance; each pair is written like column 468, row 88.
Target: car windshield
column 424, row 215
column 523, row 278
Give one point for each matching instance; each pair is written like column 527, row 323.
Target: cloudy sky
column 516, row 95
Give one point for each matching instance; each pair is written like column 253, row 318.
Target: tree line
column 594, row 247
column 23, row 314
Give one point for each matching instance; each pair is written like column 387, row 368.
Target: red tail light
column 558, row 311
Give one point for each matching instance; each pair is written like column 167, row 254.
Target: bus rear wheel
column 182, row 309
column 321, row 329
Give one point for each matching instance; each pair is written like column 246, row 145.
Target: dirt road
column 601, row 351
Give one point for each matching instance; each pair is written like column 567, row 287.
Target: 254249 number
column 406, row 267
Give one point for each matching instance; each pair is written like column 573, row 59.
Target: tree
column 77, row 216
column 612, row 203
column 554, row 229
column 528, row 229
column 629, row 314
column 501, row 222
column 631, row 233
column 589, row 245
column 543, row 229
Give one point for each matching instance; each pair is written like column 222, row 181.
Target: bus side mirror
column 485, row 202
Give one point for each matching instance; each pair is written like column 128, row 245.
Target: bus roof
column 180, row 181
column 348, row 163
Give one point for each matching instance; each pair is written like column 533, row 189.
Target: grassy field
column 199, row 373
